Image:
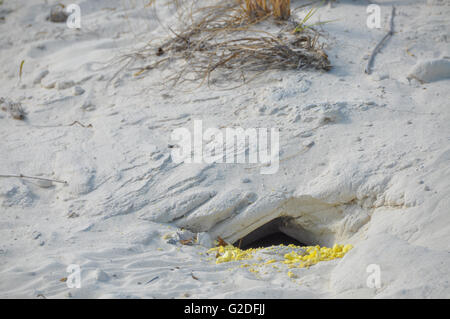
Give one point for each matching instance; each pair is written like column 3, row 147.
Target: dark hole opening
column 268, row 235
column 271, row 240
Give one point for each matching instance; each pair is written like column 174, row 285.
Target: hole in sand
column 271, row 233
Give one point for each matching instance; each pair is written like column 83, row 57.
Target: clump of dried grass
column 234, row 59
column 257, row 8
column 281, row 8
column 219, row 44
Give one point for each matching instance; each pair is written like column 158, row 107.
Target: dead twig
column 368, row 69
column 82, row 125
column 221, row 242
column 151, row 280
column 33, row 177
column 194, row 277
column 62, row 125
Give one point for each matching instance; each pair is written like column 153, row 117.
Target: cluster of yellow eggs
column 231, row 253
column 314, row 254
column 308, row 256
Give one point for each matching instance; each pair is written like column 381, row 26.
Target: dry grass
column 235, row 58
column 280, row 9
column 256, row 8
column 220, row 44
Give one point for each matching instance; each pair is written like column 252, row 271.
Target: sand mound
column 431, row 70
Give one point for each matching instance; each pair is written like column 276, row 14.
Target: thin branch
column 61, row 125
column 32, row 177
column 368, row 69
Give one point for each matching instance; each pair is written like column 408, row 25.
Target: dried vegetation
column 230, row 41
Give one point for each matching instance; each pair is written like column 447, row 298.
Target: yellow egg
column 291, row 274
column 347, row 248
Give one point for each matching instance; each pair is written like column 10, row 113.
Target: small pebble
column 44, row 183
column 40, row 76
column 62, row 85
column 88, row 106
column 306, row 134
column 78, row 90
column 100, row 275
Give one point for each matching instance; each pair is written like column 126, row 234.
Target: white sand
column 377, row 175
